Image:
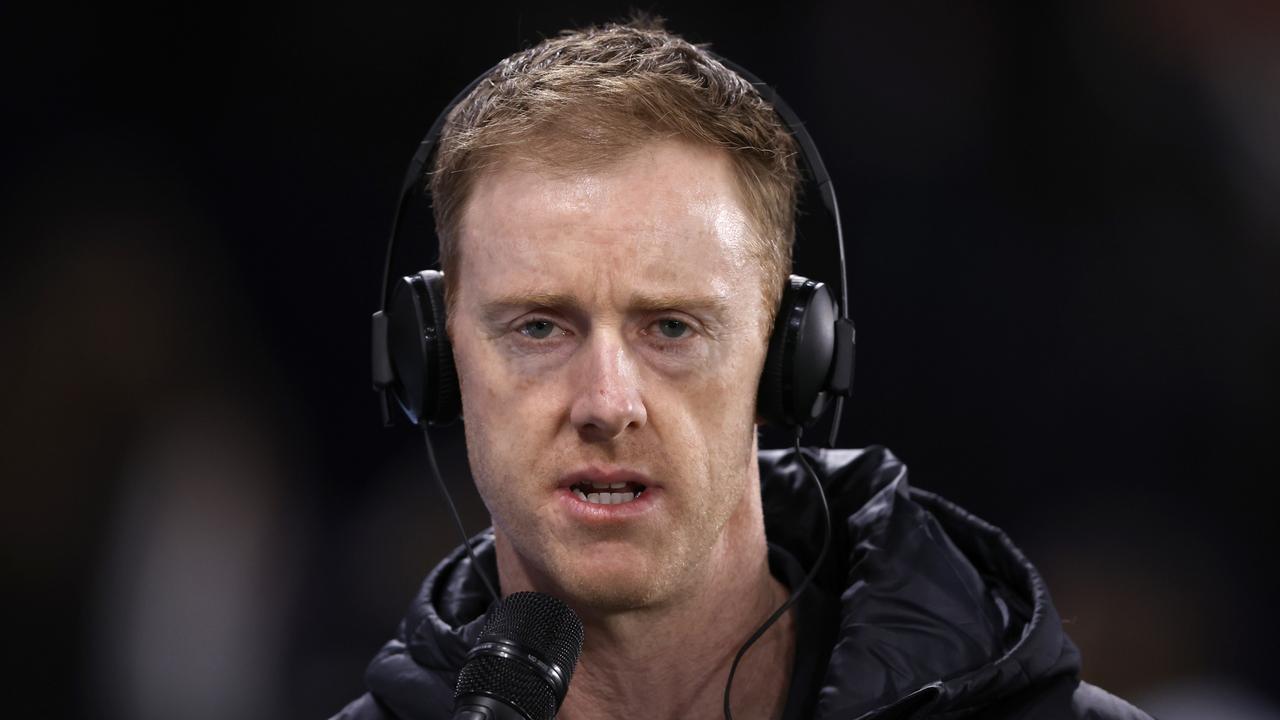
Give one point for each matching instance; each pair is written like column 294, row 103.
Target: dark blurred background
column 1064, row 247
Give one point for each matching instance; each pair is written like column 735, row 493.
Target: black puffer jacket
column 933, row 612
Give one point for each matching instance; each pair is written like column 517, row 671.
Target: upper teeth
column 601, row 494
column 606, row 498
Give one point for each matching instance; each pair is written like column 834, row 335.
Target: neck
column 672, row 660
column 675, row 664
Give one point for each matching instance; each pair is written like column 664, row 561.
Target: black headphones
column 810, row 360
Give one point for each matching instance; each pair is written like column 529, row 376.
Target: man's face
column 608, row 327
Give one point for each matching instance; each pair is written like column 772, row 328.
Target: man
column 616, row 213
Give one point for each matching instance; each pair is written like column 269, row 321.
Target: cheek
column 503, row 413
column 490, row 393
column 481, row 423
column 716, row 427
column 730, row 390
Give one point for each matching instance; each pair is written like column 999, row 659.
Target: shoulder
column 1063, row 697
column 941, row 615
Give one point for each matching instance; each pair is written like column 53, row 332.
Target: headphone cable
column 804, row 584
column 466, row 539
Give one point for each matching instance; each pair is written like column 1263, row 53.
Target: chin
column 606, row 594
column 614, row 586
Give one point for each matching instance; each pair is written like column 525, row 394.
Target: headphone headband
column 413, row 176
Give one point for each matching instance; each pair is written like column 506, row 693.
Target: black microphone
column 520, row 667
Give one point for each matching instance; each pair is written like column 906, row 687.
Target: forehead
column 665, row 218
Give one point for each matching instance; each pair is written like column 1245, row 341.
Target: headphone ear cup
column 801, row 352
column 448, row 404
column 425, row 382
column 769, row 404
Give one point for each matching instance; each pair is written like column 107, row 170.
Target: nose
column 607, row 399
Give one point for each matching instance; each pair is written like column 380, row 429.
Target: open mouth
column 607, row 493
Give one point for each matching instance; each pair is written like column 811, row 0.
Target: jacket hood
column 938, row 611
column 412, row 673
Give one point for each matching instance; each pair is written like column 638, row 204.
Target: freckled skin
column 548, row 390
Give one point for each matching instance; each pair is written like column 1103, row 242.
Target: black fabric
column 816, row 618
column 921, row 611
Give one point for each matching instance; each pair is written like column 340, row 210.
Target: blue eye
column 672, row 328
column 538, row 329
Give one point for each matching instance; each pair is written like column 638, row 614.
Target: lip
column 594, row 513
column 601, row 475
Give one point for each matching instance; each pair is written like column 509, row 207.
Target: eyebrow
column 717, row 306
